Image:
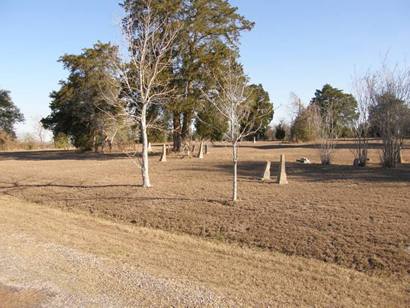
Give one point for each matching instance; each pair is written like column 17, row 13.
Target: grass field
column 355, row 219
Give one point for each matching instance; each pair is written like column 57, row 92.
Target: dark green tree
column 209, row 124
column 209, row 36
column 342, row 106
column 9, row 114
column 280, row 131
column 79, row 109
column 262, row 110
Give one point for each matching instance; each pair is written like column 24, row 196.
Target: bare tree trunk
column 145, row 164
column 235, row 171
column 186, row 126
column 177, row 142
column 95, row 145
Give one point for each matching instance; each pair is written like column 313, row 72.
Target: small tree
column 328, row 133
column 143, row 76
column 389, row 113
column 230, row 99
column 361, row 125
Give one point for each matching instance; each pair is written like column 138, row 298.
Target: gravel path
column 73, row 278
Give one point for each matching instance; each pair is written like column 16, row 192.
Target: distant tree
column 210, row 124
column 280, row 131
column 9, row 114
column 79, row 109
column 269, row 133
column 305, row 125
column 28, row 141
column 391, row 118
column 328, row 132
column 260, row 104
column 388, row 98
column 362, row 124
column 342, row 106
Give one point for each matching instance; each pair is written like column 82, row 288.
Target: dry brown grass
column 234, row 275
column 20, row 298
column 357, row 218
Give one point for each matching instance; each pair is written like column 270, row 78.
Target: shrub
column 61, row 141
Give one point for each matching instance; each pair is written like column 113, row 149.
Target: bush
column 29, row 142
column 306, row 125
column 6, row 141
column 61, row 141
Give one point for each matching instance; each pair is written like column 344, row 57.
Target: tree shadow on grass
column 62, row 155
column 9, row 187
column 318, row 173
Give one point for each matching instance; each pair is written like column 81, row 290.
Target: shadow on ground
column 317, row 172
column 62, row 155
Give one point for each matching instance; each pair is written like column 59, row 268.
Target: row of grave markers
column 203, row 149
column 282, row 177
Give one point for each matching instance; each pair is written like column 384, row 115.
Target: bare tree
column 143, row 74
column 388, row 93
column 328, row 133
column 230, row 98
column 39, row 130
column 361, row 125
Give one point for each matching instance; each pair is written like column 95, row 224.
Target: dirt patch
column 357, row 218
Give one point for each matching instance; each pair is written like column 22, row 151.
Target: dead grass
column 20, row 298
column 236, row 276
column 357, row 218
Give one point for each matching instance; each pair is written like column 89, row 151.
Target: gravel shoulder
column 50, row 257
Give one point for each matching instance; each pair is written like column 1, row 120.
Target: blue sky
column 295, row 46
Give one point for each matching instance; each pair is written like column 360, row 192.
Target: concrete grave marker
column 201, row 151
column 266, row 174
column 282, row 178
column 164, row 154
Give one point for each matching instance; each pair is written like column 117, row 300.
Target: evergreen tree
column 280, row 132
column 343, row 106
column 9, row 114
column 261, row 110
column 78, row 108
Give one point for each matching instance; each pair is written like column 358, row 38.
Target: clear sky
column 296, row 45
